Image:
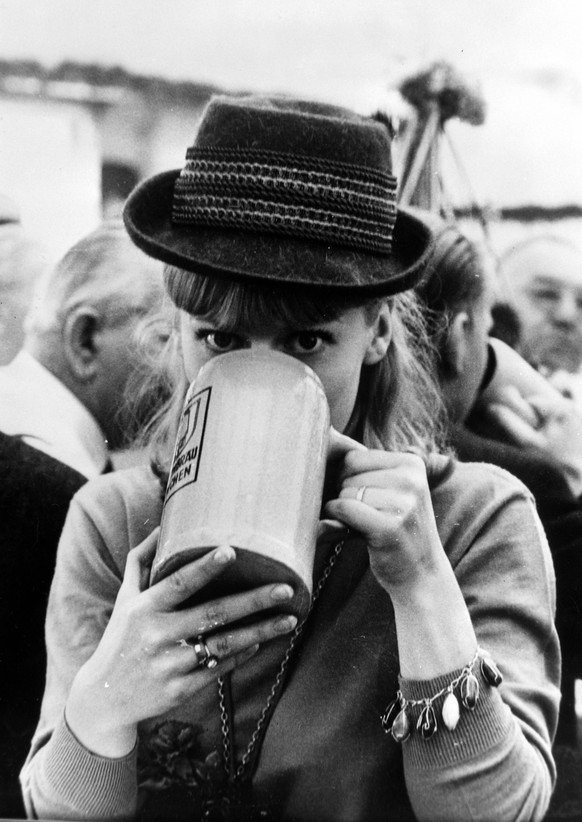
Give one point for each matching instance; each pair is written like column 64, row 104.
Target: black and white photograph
column 291, row 411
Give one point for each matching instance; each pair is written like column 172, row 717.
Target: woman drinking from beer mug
column 423, row 682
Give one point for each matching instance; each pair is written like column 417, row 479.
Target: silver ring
column 203, row 654
column 360, row 493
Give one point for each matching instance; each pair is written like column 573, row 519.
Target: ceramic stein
column 248, row 471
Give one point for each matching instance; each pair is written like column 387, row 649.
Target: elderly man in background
column 61, row 393
column 59, row 418
column 543, row 276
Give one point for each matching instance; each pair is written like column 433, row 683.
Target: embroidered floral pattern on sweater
column 176, row 781
column 170, row 756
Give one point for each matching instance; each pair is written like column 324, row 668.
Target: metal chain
column 224, row 715
column 224, row 726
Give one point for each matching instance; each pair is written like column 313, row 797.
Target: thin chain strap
column 224, row 726
column 224, row 714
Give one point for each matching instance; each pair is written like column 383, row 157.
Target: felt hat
column 277, row 190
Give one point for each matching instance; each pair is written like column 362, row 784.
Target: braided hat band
column 276, row 190
column 287, row 194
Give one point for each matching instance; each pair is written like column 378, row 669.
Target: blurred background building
column 77, row 138
column 96, row 95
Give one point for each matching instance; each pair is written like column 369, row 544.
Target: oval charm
column 491, row 673
column 389, row 714
column 401, row 726
column 469, row 691
column 427, row 722
column 451, row 712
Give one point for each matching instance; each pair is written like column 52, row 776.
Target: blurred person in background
column 543, row 322
column 543, row 278
column 474, row 373
column 60, row 399
column 79, row 350
column 22, row 261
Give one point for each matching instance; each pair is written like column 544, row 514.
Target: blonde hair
column 398, row 405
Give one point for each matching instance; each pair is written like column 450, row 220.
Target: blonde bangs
column 248, row 306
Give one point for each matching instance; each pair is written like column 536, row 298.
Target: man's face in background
column 544, row 281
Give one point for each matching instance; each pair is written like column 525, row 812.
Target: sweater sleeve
column 60, row 779
column 70, row 782
column 499, row 756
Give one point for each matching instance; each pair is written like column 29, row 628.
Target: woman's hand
column 385, row 496
column 142, row 666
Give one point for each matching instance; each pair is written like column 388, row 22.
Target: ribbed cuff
column 477, row 730
column 94, row 786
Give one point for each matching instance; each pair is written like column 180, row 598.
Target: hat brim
column 271, row 258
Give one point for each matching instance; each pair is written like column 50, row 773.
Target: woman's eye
column 219, row 341
column 546, row 295
column 306, row 342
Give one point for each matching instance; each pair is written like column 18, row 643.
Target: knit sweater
column 324, row 755
column 561, row 516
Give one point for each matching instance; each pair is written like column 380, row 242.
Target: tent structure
column 436, row 96
column 518, row 172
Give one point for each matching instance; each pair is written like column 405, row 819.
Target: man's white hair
column 103, row 271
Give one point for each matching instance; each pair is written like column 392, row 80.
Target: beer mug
column 248, row 471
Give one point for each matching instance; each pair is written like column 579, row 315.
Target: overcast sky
column 525, row 54
column 342, row 50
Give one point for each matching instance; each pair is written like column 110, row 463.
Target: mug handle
column 338, row 446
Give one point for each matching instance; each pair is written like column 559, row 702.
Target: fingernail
column 224, row 554
column 285, row 623
column 281, row 592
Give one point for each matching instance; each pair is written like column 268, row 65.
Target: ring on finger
column 203, row 653
column 360, row 493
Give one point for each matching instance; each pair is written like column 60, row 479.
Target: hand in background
column 569, row 385
column 552, row 424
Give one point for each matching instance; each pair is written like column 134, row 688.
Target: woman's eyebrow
column 281, row 327
column 546, row 279
column 215, row 322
